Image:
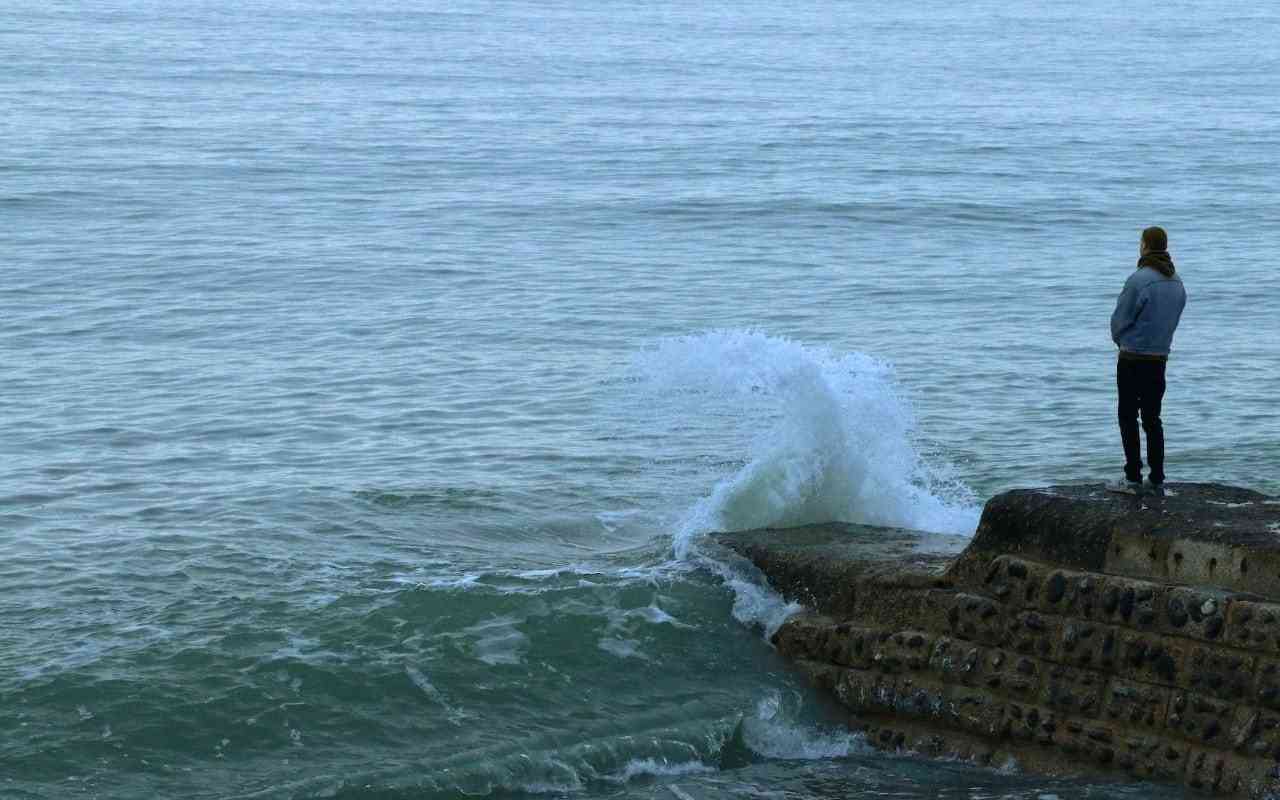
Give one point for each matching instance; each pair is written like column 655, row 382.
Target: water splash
column 772, row 732
column 828, row 437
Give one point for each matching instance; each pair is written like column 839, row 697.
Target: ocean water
column 370, row 374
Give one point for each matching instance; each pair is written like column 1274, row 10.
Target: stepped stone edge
column 1143, row 647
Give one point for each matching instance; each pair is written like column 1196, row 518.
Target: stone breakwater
column 1079, row 632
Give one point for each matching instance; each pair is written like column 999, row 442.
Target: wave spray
column 828, row 437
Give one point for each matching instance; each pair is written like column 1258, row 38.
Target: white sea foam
column 754, row 602
column 453, row 714
column 450, row 582
column 623, row 623
column 681, row 794
column 656, row 616
column 546, row 580
column 498, row 641
column 828, row 437
column 622, row 648
column 611, row 521
column 659, row 768
column 771, row 734
column 422, row 682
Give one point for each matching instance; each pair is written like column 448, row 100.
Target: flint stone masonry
column 1078, row 632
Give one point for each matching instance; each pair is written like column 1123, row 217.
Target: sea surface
column 371, row 373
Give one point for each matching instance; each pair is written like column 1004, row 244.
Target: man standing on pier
column 1142, row 326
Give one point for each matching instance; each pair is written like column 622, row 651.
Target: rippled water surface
column 371, row 372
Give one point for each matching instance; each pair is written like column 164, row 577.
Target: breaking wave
column 827, row 436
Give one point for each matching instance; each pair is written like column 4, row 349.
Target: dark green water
column 369, row 374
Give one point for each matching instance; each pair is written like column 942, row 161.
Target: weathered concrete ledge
column 1079, row 632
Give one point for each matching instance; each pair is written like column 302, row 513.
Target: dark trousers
column 1141, row 387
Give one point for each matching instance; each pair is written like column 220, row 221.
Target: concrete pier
column 1078, row 632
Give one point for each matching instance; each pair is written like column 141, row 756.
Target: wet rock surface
column 1077, row 632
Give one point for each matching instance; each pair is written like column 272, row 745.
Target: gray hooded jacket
column 1147, row 312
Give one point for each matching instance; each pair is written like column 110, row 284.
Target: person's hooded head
column 1153, row 251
